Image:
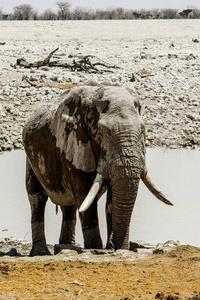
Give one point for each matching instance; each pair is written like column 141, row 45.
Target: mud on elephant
column 92, row 142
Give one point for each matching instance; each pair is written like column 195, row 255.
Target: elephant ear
column 71, row 128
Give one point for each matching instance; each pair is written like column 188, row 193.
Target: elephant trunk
column 124, row 185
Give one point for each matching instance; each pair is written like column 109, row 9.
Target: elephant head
column 100, row 130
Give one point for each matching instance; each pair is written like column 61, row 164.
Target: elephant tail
column 155, row 190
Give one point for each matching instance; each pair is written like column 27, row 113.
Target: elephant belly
column 50, row 175
column 62, row 199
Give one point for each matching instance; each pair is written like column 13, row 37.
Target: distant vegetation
column 64, row 12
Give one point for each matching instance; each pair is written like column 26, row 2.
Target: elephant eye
column 139, row 109
column 137, row 105
column 143, row 129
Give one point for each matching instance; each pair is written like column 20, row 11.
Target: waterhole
column 176, row 172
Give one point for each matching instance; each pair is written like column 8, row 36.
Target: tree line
column 64, row 12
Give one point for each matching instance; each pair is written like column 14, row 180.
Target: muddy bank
column 163, row 69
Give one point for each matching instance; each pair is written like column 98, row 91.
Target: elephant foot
column 93, row 245
column 39, row 250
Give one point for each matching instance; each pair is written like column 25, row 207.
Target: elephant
column 93, row 141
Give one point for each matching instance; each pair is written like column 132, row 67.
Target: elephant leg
column 90, row 228
column 38, row 199
column 67, row 235
column 109, row 244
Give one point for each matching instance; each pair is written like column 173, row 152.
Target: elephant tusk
column 155, row 190
column 92, row 193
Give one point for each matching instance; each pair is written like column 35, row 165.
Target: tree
column 78, row 13
column 119, row 13
column 99, row 14
column 136, row 14
column 49, row 15
column 35, row 15
column 24, row 12
column 169, row 13
column 128, row 15
column 89, row 14
column 81, row 13
column 185, row 13
column 63, row 10
column 195, row 13
column 109, row 14
column 1, row 14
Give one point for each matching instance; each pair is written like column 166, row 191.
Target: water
column 176, row 172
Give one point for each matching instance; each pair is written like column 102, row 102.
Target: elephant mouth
column 99, row 181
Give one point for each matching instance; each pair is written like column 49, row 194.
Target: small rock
column 172, row 56
column 44, row 68
column 68, row 252
column 6, row 147
column 3, row 114
column 134, row 246
column 54, row 78
column 17, row 145
column 190, row 57
column 59, row 247
column 166, row 247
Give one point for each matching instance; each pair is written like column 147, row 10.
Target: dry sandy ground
column 163, row 57
column 175, row 275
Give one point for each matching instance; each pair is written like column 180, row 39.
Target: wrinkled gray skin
column 94, row 129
